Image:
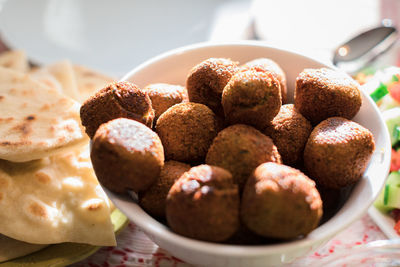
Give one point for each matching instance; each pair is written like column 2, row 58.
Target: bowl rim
column 153, row 227
column 209, row 44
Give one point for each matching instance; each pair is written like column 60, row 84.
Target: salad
column 384, row 89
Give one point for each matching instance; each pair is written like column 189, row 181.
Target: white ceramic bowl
column 173, row 67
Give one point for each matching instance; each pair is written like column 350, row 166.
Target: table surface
column 136, row 249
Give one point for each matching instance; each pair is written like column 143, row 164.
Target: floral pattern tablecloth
column 136, row 249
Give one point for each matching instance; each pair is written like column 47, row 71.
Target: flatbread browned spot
column 45, row 107
column 7, row 64
column 48, row 83
column 30, row 117
column 37, row 210
column 43, row 177
column 1, row 196
column 14, row 59
column 1, row 97
column 27, row 93
column 15, row 144
column 69, row 128
column 63, row 101
column 92, row 204
column 24, row 129
column 6, row 119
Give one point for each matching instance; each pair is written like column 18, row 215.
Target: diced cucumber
column 379, row 92
column 387, row 102
column 392, row 119
column 389, row 197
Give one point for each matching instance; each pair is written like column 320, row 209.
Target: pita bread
column 11, row 248
column 63, row 71
column 46, row 78
column 89, row 81
column 15, row 60
column 35, row 120
column 53, row 200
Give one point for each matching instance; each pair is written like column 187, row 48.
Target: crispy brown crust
column 117, row 100
column 271, row 66
column 126, row 155
column 280, row 202
column 338, row 152
column 186, row 131
column 323, row 93
column 206, row 81
column 164, row 96
column 240, row 149
column 289, row 130
column 204, row 204
column 153, row 199
column 252, row 97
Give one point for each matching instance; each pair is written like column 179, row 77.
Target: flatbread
column 89, row 81
column 63, row 71
column 35, row 120
column 46, row 78
column 53, row 200
column 60, row 76
column 11, row 248
column 15, row 60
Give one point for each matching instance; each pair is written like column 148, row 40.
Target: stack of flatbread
column 48, row 191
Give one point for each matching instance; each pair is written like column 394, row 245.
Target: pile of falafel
column 226, row 155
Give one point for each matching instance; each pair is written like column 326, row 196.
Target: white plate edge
column 384, row 221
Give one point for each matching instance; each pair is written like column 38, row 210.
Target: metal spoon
column 365, row 47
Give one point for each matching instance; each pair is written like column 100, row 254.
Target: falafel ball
column 186, row 131
column 240, row 149
column 207, row 79
column 270, row 65
column 324, row 93
column 338, row 152
column 126, row 155
column 290, row 131
column 204, row 204
column 116, row 100
column 252, row 97
column 164, row 96
column 280, row 202
column 153, row 199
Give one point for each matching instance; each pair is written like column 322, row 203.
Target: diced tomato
column 395, row 161
column 395, row 213
column 397, row 227
column 361, row 78
column 394, row 91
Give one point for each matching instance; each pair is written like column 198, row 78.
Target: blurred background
column 115, row 36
